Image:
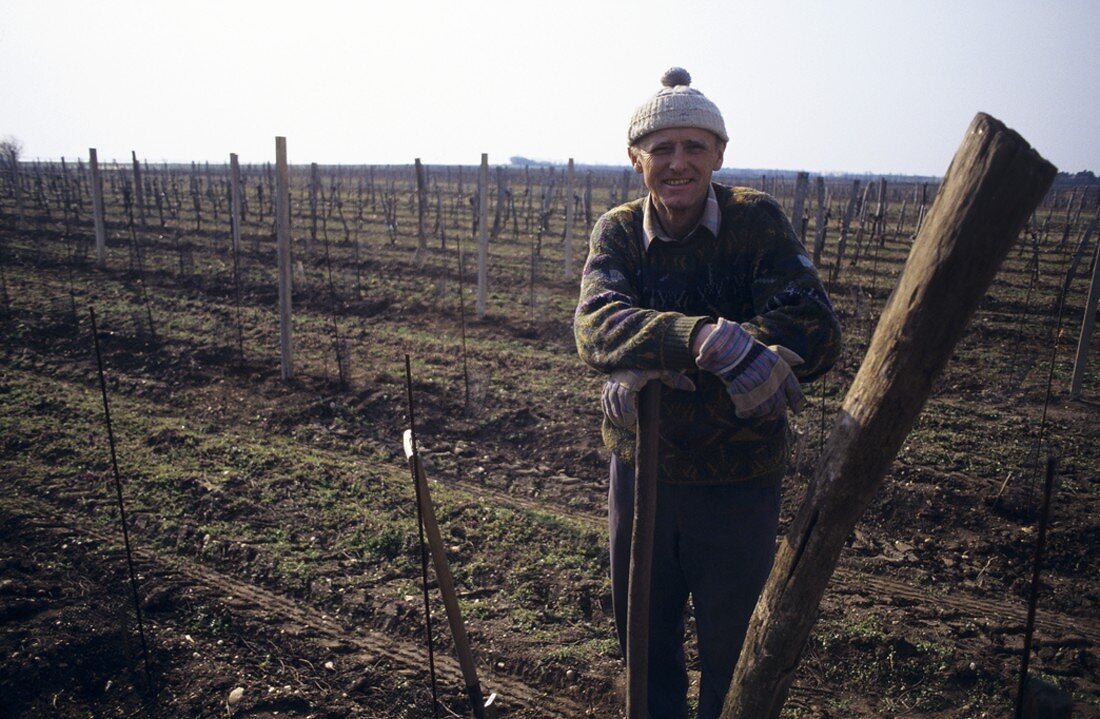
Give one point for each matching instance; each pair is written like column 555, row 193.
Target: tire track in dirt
column 248, row 598
column 849, row 579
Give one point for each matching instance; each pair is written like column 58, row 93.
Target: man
column 709, row 289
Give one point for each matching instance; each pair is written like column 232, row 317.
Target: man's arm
column 792, row 308
column 611, row 327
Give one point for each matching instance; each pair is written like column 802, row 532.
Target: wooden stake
column 801, row 189
column 819, row 222
column 139, row 189
column 994, row 182
column 446, row 581
column 282, row 240
column 641, row 552
column 421, row 208
column 570, row 181
column 482, row 235
column 1087, row 323
column 97, row 208
column 235, row 195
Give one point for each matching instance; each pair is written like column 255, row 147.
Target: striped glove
column 620, row 392
column 758, row 378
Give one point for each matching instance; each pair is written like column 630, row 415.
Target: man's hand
column 620, row 392
column 758, row 378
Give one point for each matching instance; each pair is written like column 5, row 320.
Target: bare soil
column 274, row 534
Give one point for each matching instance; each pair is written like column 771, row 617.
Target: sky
column 830, row 86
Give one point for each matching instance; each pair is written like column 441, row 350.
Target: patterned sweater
column 639, row 308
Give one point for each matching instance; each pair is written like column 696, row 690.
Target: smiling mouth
column 677, row 182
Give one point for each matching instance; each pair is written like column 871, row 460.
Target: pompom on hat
column 676, row 105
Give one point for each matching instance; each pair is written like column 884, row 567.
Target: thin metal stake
column 121, row 505
column 1040, row 544
column 423, row 543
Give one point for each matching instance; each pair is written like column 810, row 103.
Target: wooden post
column 421, row 208
column 880, row 214
column 314, row 185
column 845, row 225
column 482, row 234
column 819, row 222
column 139, row 190
column 446, row 582
column 282, row 241
column 588, row 200
column 570, row 179
column 641, row 552
column 994, row 182
column 97, row 208
column 499, row 218
column 235, row 196
column 1087, row 323
column 801, row 189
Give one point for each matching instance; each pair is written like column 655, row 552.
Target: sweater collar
column 651, row 226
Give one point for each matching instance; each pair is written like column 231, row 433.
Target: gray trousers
column 715, row 543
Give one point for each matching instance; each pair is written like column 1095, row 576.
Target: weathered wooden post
column 314, row 184
column 235, row 196
column 570, row 180
column 801, row 189
column 421, row 208
column 994, row 182
column 641, row 552
column 845, row 226
column 482, row 234
column 1087, row 323
column 819, row 221
column 139, row 189
column 97, row 209
column 499, row 216
column 587, row 201
column 282, row 241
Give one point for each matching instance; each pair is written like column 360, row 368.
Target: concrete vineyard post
column 993, row 183
column 570, row 180
column 282, row 241
column 235, row 195
column 482, row 234
column 1087, row 324
column 97, row 209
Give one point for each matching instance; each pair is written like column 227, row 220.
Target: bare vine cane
column 641, row 552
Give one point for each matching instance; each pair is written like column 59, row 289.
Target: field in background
column 275, row 520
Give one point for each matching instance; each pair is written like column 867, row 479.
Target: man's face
column 676, row 165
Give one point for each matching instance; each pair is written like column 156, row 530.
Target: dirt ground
column 275, row 543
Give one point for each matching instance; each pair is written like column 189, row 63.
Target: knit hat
column 676, row 105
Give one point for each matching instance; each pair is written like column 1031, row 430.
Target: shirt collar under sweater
column 651, row 226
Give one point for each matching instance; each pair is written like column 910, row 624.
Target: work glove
column 758, row 377
column 620, row 392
